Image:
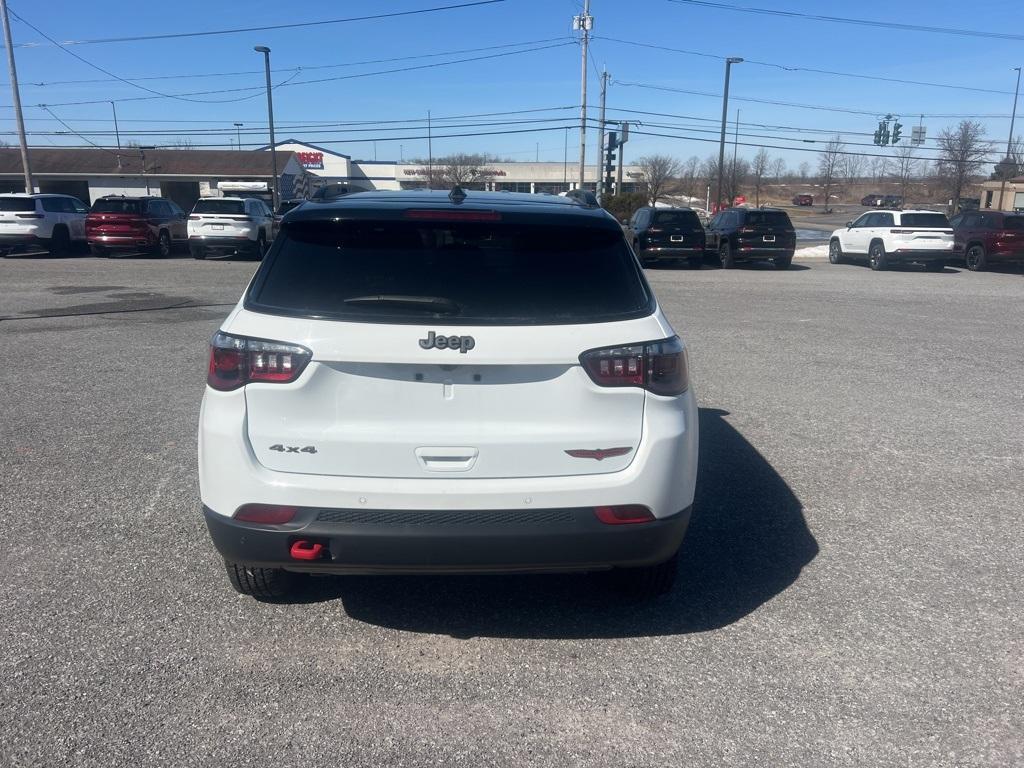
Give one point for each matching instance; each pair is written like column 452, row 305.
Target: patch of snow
column 812, row 252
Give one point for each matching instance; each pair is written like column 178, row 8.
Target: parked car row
column 152, row 224
column 884, row 238
column 675, row 235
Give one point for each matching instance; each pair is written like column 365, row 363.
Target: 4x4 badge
column 436, row 341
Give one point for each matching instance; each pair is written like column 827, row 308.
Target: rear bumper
column 12, row 240
column 762, row 252
column 488, row 541
column 213, row 243
column 652, row 253
column 121, row 241
column 911, row 256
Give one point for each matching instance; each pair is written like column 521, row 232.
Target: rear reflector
column 236, row 361
column 267, row 514
column 657, row 366
column 445, row 215
column 624, row 514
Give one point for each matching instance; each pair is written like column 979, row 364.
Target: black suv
column 752, row 234
column 667, row 234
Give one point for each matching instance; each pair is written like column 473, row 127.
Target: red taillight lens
column 624, row 514
column 446, row 215
column 236, row 361
column 267, row 514
column 193, row 217
column 657, row 366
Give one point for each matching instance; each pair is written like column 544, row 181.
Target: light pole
column 270, row 115
column 1009, row 143
column 142, row 155
column 725, row 116
column 238, row 133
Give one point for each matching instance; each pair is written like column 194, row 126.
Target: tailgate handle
column 447, row 459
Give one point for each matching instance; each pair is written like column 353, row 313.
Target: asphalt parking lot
column 850, row 592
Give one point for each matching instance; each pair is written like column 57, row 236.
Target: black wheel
column 261, row 583
column 163, row 245
column 60, row 242
column 975, row 258
column 98, row 251
column 261, row 247
column 651, row 581
column 197, row 251
column 782, row 262
column 935, row 266
column 835, row 252
column 876, row 257
column 695, row 262
column 725, row 256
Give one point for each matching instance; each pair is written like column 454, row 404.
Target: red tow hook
column 307, row 550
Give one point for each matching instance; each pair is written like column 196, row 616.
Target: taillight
column 193, row 217
column 624, row 514
column 236, row 361
column 657, row 366
column 267, row 514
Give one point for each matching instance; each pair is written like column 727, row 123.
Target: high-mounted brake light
column 445, row 215
column 657, row 366
column 236, row 361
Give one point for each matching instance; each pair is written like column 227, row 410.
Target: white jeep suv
column 51, row 222
column 230, row 224
column 418, row 382
column 884, row 238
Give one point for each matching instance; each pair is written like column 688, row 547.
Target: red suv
column 987, row 238
column 803, row 200
column 152, row 224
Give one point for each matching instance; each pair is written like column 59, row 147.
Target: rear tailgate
column 219, row 218
column 766, row 230
column 675, row 229
column 494, row 389
column 923, row 232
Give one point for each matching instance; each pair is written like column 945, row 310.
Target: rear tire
column 197, row 251
column 261, row 583
column 725, row 256
column 976, row 259
column 60, row 242
column 876, row 257
column 163, row 246
column 835, row 252
column 650, row 581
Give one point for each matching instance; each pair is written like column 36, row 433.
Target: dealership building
column 185, row 175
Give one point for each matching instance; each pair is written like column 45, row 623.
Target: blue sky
column 528, row 81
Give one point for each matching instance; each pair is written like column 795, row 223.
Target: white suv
column 417, row 382
column 230, row 224
column 52, row 222
column 884, row 238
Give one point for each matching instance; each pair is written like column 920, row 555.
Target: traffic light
column 878, row 135
column 885, row 134
column 609, row 156
column 897, row 131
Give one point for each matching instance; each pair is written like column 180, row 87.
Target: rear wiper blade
column 432, row 303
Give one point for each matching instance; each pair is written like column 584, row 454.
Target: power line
column 858, row 22
column 788, row 68
column 795, row 105
column 294, row 25
column 310, row 82
column 303, row 67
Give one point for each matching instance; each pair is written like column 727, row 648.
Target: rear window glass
column 769, row 218
column 461, row 273
column 677, row 219
column 115, row 205
column 1013, row 222
column 924, row 220
column 17, row 204
column 229, row 207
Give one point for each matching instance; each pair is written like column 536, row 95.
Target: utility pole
column 16, row 97
column 117, row 133
column 238, row 133
column 583, row 23
column 735, row 144
column 430, row 155
column 600, row 139
column 1009, row 142
column 565, row 162
column 274, row 191
column 725, row 116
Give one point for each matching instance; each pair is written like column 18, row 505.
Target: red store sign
column 313, row 160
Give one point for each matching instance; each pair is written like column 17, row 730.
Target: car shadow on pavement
column 747, row 542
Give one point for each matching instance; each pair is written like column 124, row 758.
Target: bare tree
column 829, row 166
column 962, row 152
column 734, row 179
column 657, row 172
column 805, row 171
column 879, row 168
column 1012, row 165
column 691, row 177
column 462, row 169
column 905, row 164
column 778, row 169
column 852, row 167
column 759, row 169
